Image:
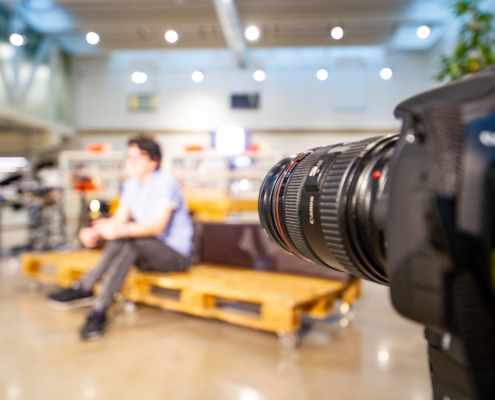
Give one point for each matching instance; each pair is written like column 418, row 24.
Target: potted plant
column 475, row 48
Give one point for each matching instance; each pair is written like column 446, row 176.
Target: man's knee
column 143, row 242
column 116, row 243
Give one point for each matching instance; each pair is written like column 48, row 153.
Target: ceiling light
column 197, row 76
column 386, row 73
column 92, row 38
column 252, row 33
column 16, row 39
column 423, row 32
column 337, row 33
column 322, row 74
column 139, row 77
column 171, row 36
column 259, row 75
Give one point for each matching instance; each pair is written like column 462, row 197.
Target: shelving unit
column 216, row 187
column 212, row 175
column 220, row 187
column 106, row 172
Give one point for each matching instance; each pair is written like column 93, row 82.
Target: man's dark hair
column 148, row 145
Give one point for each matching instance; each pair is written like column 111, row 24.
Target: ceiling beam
column 232, row 29
column 6, row 82
column 19, row 119
column 41, row 52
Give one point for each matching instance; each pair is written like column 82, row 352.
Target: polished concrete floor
column 155, row 354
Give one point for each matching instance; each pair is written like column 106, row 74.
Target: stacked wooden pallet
column 262, row 300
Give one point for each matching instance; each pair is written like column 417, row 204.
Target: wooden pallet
column 217, row 209
column 262, row 300
column 281, row 298
column 58, row 268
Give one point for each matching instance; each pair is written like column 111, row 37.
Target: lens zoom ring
column 294, row 187
column 329, row 206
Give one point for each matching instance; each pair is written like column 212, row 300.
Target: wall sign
column 142, row 102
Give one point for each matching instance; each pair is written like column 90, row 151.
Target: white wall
column 291, row 96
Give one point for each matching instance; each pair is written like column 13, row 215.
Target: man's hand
column 120, row 226
column 89, row 237
column 109, row 229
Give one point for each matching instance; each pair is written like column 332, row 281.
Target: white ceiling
column 141, row 24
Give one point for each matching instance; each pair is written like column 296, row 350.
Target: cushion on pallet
column 246, row 245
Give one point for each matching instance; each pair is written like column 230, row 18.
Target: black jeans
column 147, row 253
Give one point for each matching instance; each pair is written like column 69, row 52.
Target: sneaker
column 94, row 327
column 70, row 298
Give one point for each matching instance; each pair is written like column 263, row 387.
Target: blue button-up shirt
column 143, row 200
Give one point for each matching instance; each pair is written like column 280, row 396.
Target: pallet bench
column 58, row 268
column 262, row 300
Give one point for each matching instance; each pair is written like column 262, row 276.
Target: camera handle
column 450, row 375
column 462, row 364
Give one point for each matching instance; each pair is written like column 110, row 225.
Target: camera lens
column 319, row 205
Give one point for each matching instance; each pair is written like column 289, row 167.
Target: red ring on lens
column 278, row 193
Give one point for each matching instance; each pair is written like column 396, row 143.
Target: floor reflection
column 367, row 353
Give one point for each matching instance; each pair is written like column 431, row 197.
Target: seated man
column 150, row 229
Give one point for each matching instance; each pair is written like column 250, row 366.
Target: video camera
column 415, row 211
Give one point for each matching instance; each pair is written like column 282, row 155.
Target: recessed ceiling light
column 139, row 77
column 197, row 76
column 322, row 74
column 252, row 33
column 16, row 39
column 259, row 75
column 423, row 32
column 386, row 73
column 337, row 33
column 171, row 36
column 92, row 38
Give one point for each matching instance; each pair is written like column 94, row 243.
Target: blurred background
column 228, row 88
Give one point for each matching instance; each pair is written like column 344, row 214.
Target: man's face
column 138, row 162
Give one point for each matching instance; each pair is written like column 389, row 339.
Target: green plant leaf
column 461, row 7
column 475, row 48
column 485, row 17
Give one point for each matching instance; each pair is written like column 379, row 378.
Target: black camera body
column 440, row 230
column 440, row 200
column 415, row 211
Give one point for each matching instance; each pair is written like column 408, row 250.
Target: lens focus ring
column 292, row 196
column 332, row 230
